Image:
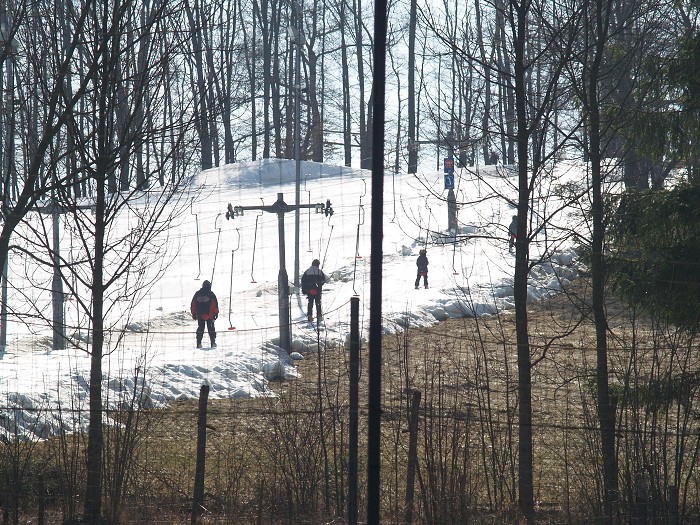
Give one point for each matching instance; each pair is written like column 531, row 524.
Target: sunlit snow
column 470, row 274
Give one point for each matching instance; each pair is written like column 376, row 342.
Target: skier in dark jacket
column 312, row 282
column 205, row 309
column 422, row 263
column 512, row 232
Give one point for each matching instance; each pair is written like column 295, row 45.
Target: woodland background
column 106, row 102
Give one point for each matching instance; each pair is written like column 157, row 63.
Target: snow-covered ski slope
column 471, row 275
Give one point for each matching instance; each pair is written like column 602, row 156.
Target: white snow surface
column 470, row 274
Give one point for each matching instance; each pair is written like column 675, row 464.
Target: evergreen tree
column 656, row 256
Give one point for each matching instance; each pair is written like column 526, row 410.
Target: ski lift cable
column 199, row 255
column 300, row 305
column 454, row 251
column 357, row 244
column 427, row 229
column 360, row 221
column 357, row 235
column 255, row 242
column 393, row 196
column 354, row 272
column 410, row 217
column 309, row 211
column 330, row 235
column 230, row 287
column 216, row 251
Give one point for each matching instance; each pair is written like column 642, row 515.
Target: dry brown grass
column 283, row 459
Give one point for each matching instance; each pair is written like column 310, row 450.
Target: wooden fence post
column 412, row 454
column 201, row 450
column 41, row 490
column 354, row 401
column 673, row 504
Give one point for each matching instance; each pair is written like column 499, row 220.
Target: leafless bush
column 284, row 459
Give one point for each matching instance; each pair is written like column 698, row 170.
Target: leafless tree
column 117, row 60
column 597, row 27
column 546, row 55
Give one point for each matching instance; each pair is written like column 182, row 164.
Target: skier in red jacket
column 205, row 309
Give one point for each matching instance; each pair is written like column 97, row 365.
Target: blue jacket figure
column 422, row 263
column 312, row 282
column 513, row 232
column 205, row 309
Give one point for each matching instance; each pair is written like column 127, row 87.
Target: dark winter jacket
column 422, row 263
column 312, row 281
column 513, row 228
column 204, row 305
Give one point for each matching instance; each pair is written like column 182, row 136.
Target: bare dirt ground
column 467, row 373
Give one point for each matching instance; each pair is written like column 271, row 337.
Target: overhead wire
column 216, row 250
column 255, row 242
column 199, row 255
column 230, row 288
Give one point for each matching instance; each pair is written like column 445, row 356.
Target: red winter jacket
column 204, row 305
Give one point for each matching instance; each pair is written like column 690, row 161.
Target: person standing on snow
column 422, row 263
column 205, row 309
column 513, row 232
column 312, row 282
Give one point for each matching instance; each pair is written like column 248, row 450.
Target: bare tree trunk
column 486, row 145
column 250, row 49
column 412, row 127
column 262, row 11
column 226, row 66
column 313, row 139
column 397, row 147
column 142, row 97
column 122, row 125
column 289, row 124
column 109, row 51
column 194, row 14
column 347, row 118
column 599, row 22
column 506, row 95
column 526, row 499
column 93, row 492
column 315, row 128
column 454, row 82
column 276, row 96
column 214, row 95
column 365, row 120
